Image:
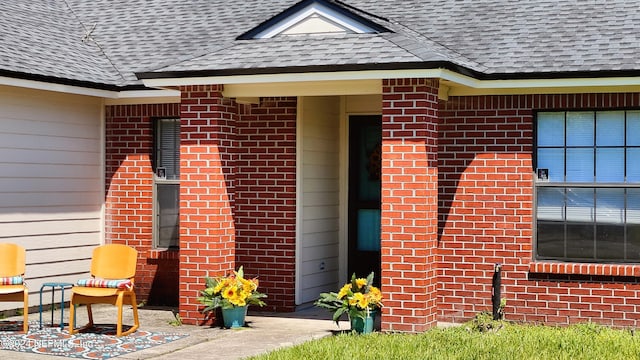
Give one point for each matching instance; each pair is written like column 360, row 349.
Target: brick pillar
column 207, row 192
column 409, row 203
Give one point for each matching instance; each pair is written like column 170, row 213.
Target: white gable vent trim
column 315, row 19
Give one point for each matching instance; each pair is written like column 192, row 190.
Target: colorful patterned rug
column 100, row 343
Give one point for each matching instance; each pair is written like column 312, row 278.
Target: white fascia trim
column 160, row 96
column 538, row 83
column 147, row 93
column 311, row 10
column 443, row 74
column 294, row 77
column 47, row 86
column 112, row 97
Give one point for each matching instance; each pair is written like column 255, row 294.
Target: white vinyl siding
column 51, row 182
column 319, row 244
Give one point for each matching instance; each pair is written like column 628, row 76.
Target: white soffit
column 304, row 88
column 315, row 19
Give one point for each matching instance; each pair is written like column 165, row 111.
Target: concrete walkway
column 264, row 332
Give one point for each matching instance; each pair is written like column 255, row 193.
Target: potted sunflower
column 233, row 294
column 359, row 299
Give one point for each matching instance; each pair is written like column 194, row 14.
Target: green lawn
column 475, row 340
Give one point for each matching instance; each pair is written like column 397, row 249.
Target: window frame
column 158, row 180
column 539, row 183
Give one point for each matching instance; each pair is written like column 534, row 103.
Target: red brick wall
column 207, row 192
column 128, row 197
column 237, row 194
column 238, row 205
column 265, row 198
column 486, row 217
column 409, row 203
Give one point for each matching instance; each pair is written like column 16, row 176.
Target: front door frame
column 351, row 230
column 364, row 105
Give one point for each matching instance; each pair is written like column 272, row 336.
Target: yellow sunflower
column 230, row 292
column 238, row 300
column 359, row 300
column 248, row 285
column 375, row 295
column 219, row 286
column 344, row 291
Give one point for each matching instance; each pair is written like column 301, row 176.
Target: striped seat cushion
column 11, row 280
column 101, row 283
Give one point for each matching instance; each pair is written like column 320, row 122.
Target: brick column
column 409, row 203
column 207, row 192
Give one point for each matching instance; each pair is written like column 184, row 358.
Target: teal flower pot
column 364, row 326
column 234, row 317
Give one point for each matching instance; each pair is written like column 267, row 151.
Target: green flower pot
column 234, row 317
column 364, row 326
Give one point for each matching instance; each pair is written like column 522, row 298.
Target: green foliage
column 484, row 322
column 472, row 341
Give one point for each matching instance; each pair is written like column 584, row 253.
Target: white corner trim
column 299, row 207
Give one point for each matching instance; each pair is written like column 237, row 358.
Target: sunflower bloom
column 361, row 282
column 357, row 299
column 229, row 293
column 375, row 295
column 218, row 288
column 248, row 285
column 363, row 301
column 238, row 300
column 344, row 291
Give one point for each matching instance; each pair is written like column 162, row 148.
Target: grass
column 479, row 339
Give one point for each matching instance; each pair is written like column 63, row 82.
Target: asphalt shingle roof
column 44, row 39
column 526, row 36
column 493, row 38
column 310, row 51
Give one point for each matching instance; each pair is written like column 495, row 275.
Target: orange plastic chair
column 113, row 268
column 12, row 288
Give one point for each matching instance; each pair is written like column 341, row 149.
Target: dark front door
column 365, row 141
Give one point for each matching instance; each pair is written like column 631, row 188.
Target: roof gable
column 313, row 17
